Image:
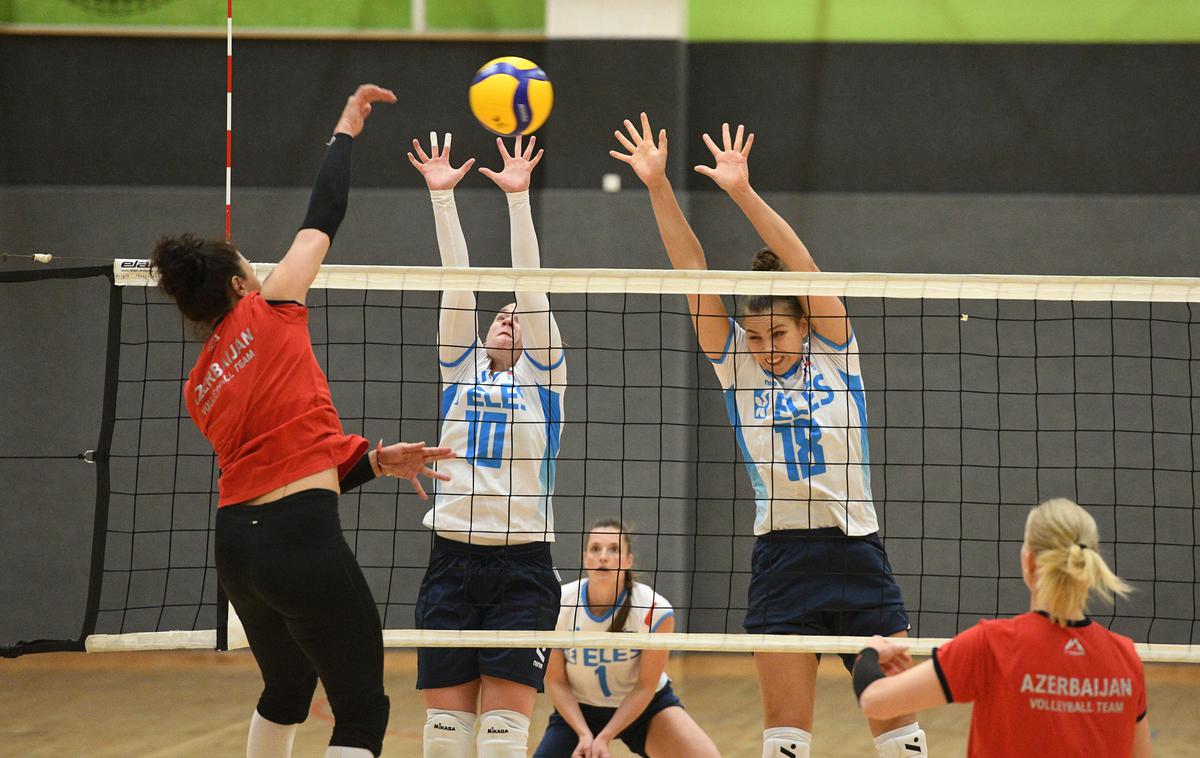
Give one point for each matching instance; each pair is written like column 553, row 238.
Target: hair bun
column 179, row 263
column 766, row 260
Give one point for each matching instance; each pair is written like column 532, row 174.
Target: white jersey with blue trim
column 604, row 677
column 505, row 427
column 803, row 435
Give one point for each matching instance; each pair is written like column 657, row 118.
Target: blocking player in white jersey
column 490, row 567
column 602, row 695
column 794, row 394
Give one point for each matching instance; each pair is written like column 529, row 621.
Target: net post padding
column 136, row 273
column 720, row 643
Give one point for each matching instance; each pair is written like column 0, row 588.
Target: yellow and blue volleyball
column 511, row 96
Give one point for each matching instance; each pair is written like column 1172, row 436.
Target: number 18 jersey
column 802, row 435
column 505, row 427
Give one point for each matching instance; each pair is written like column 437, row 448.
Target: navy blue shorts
column 820, row 581
column 476, row 587
column 560, row 739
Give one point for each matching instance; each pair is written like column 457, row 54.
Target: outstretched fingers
column 625, row 143
column 633, row 132
column 725, row 135
column 528, row 148
column 646, row 133
column 503, row 149
column 373, row 93
column 712, row 146
column 536, row 159
column 737, row 138
column 749, row 144
column 420, row 151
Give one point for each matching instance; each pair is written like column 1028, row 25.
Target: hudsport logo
column 1074, row 647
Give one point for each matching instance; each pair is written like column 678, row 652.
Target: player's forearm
column 457, row 325
column 683, row 248
column 567, row 706
column 776, row 233
column 630, row 708
column 538, row 327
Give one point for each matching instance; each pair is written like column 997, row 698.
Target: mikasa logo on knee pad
column 494, row 730
column 444, row 728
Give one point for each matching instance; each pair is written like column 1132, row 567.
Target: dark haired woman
column 260, row 398
column 602, row 695
column 794, row 392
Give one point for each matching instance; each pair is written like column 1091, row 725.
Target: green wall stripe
column 477, row 15
column 946, row 20
column 492, row 15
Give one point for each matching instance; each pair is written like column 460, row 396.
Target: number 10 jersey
column 802, row 435
column 505, row 427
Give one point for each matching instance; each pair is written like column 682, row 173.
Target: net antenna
column 963, row 302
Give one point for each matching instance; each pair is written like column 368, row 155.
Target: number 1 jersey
column 802, row 435
column 505, row 427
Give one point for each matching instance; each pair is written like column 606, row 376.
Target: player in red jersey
column 1047, row 682
column 260, row 398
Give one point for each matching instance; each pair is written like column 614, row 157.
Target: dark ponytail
column 787, row 305
column 622, row 615
column 196, row 273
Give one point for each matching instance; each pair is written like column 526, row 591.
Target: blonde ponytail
column 1064, row 539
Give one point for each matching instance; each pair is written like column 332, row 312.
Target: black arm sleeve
column 360, row 474
column 866, row 670
column 331, row 192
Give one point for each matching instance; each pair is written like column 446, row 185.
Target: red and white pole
column 228, row 111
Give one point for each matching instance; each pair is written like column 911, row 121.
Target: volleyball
column 511, row 96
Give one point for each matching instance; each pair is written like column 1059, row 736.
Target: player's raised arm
column 541, row 339
column 731, row 173
column 649, row 161
column 327, row 206
column 457, row 325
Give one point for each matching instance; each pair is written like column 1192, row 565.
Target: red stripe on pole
column 227, row 222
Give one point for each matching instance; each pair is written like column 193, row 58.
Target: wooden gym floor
column 160, row 704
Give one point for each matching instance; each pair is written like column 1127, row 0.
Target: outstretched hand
column 732, row 169
column 893, row 659
column 518, row 167
column 358, row 107
column 435, row 167
column 410, row 460
column 648, row 160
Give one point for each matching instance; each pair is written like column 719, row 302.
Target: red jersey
column 260, row 398
column 1042, row 689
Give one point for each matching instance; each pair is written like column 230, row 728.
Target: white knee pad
column 786, row 742
column 340, row 751
column 268, row 739
column 908, row 740
column 503, row 734
column 449, row 734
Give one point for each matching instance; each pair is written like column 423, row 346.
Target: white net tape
column 723, row 643
column 136, row 273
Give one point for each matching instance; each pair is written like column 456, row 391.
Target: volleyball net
column 984, row 394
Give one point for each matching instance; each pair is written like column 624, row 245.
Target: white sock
column 503, row 734
column 338, row 751
column 268, row 739
column 449, row 734
column 905, row 741
column 786, row 742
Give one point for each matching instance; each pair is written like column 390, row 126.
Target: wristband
column 331, row 191
column 360, row 474
column 866, row 670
